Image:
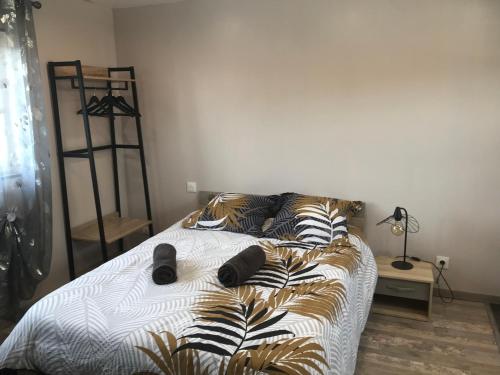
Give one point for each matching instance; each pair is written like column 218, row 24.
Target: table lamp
column 398, row 228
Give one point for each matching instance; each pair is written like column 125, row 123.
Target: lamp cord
column 439, row 276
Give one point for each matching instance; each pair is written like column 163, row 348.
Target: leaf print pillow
column 234, row 212
column 318, row 221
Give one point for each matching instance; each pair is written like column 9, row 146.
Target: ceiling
column 129, row 3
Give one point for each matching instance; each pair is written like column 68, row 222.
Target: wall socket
column 446, row 260
column 191, row 187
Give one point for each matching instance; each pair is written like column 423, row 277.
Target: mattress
column 303, row 313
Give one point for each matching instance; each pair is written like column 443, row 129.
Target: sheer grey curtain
column 25, row 188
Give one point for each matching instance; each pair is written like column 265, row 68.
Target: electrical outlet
column 446, row 260
column 191, row 187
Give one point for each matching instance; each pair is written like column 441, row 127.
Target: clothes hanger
column 93, row 104
column 94, row 100
column 126, row 108
column 105, row 106
column 123, row 108
column 120, row 99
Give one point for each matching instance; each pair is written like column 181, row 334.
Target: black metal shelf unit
column 78, row 79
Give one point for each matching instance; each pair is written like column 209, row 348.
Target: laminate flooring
column 459, row 340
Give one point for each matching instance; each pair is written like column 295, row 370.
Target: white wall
column 391, row 102
column 71, row 30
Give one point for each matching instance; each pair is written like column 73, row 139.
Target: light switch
column 191, row 187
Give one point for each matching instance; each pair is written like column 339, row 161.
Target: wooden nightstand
column 406, row 294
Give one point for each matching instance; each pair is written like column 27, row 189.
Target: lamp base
column 402, row 265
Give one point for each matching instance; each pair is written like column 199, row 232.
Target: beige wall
column 71, row 30
column 391, row 102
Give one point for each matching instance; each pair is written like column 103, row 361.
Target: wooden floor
column 459, row 340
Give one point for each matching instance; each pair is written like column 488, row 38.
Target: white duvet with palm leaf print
column 302, row 313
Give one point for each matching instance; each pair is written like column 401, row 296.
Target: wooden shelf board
column 115, row 228
column 400, row 307
column 401, row 312
column 109, row 79
column 70, row 71
column 421, row 272
column 90, row 73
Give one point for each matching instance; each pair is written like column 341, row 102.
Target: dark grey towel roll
column 164, row 264
column 241, row 267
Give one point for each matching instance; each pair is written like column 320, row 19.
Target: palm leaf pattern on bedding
column 281, row 357
column 341, row 255
column 227, row 207
column 307, row 221
column 225, row 309
column 171, row 362
column 222, row 211
column 285, row 267
column 321, row 221
column 241, row 325
column 288, row 267
column 234, row 212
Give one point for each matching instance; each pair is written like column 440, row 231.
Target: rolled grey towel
column 241, row 267
column 164, row 264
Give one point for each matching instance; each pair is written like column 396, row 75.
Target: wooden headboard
column 357, row 221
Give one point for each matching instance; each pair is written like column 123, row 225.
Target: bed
column 302, row 314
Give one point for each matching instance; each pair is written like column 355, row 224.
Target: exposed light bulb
column 397, row 228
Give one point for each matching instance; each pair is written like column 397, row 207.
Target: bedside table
column 406, row 294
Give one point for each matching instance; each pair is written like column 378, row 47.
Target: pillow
column 317, row 221
column 233, row 212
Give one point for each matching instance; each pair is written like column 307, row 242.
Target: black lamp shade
column 398, row 215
